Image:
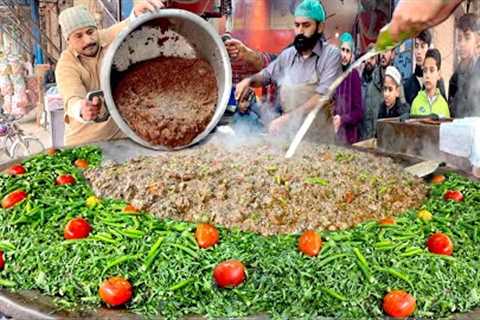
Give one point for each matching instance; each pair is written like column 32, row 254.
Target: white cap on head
column 394, row 74
column 74, row 18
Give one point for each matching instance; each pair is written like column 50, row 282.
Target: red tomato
column 438, row 179
column 229, row 273
column 440, row 243
column 453, row 195
column 387, row 220
column 399, row 304
column 81, row 163
column 310, row 243
column 130, row 209
column 13, row 198
column 77, row 228
column 16, row 169
column 206, row 235
column 65, row 179
column 2, row 261
column 116, row 291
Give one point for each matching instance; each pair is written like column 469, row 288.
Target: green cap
column 348, row 39
column 311, row 9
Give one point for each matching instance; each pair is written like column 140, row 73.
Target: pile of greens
column 173, row 277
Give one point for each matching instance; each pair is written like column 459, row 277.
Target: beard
column 369, row 67
column 368, row 70
column 385, row 61
column 304, row 44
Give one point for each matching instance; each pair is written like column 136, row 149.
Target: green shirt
column 423, row 106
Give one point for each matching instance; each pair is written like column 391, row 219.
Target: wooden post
column 40, row 70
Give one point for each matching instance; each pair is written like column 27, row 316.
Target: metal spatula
column 424, row 168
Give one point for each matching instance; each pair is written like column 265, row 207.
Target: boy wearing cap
column 374, row 96
column 430, row 100
column 464, row 86
column 78, row 68
column 392, row 105
column 303, row 72
column 348, row 111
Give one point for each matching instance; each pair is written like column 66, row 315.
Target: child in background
column 392, row 106
column 414, row 84
column 430, row 100
column 464, row 86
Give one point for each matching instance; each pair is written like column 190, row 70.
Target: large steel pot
column 179, row 34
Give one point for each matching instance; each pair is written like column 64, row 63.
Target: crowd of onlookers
column 377, row 89
column 387, row 95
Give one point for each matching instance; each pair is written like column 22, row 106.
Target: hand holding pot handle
column 145, row 6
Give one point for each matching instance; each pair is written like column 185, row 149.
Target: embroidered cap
column 394, row 74
column 75, row 18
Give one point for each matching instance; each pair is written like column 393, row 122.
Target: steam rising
column 243, row 132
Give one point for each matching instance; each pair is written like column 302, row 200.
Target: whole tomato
column 229, row 274
column 206, row 235
column 387, row 220
column 440, row 243
column 438, row 179
column 310, row 243
column 453, row 195
column 81, row 163
column 77, row 228
column 115, row 291
column 399, row 304
column 14, row 198
column 65, row 179
column 2, row 261
column 16, row 169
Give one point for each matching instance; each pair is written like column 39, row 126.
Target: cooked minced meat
column 167, row 101
column 257, row 189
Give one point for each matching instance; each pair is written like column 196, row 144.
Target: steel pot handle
column 98, row 93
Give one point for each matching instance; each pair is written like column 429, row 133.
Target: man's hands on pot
column 90, row 110
column 147, row 6
column 237, row 50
